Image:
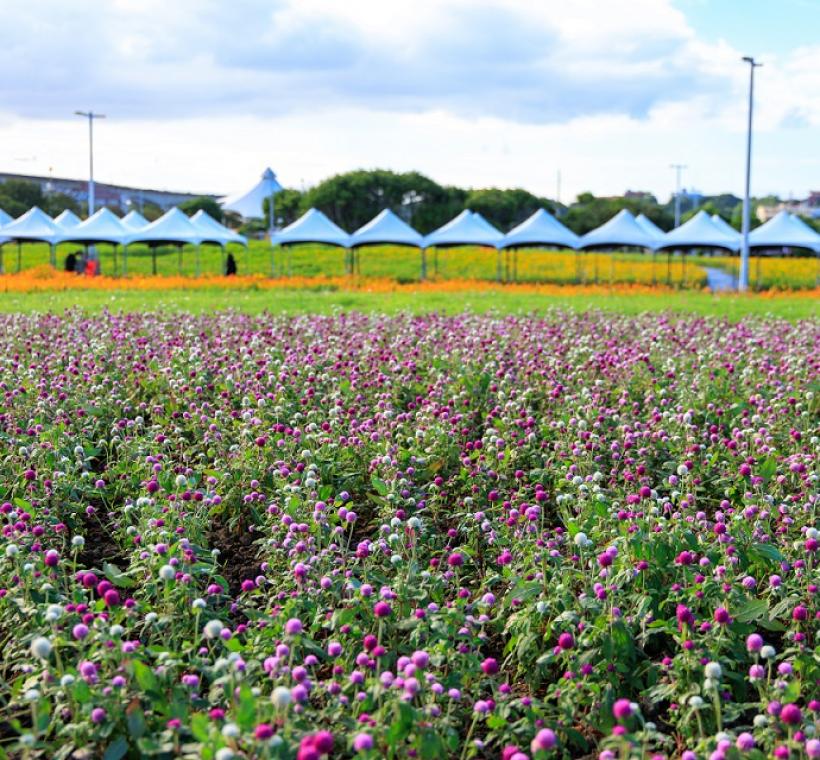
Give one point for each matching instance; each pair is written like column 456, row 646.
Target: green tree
column 506, row 208
column 287, row 207
column 209, row 205
column 55, row 203
column 589, row 212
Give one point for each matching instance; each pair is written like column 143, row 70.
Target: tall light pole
column 678, row 169
column 743, row 280
column 90, row 115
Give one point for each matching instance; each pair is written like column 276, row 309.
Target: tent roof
column 134, row 220
column 249, row 203
column 172, row 227
column 468, row 228
column 67, row 220
column 214, row 232
column 648, row 226
column 542, row 228
column 622, row 229
column 386, row 227
column 784, row 229
column 35, row 224
column 101, row 227
column 312, row 227
column 700, row 232
column 4, row 218
column 722, row 224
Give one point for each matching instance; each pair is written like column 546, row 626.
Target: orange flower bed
column 45, row 279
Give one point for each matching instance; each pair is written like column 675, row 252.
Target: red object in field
column 92, row 267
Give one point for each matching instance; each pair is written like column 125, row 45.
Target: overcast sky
column 201, row 95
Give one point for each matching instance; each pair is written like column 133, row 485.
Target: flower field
column 585, row 535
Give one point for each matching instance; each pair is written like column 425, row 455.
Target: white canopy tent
column 4, row 219
column 101, row 227
column 785, row 230
column 134, row 221
column 216, row 233
column 250, row 204
column 468, row 228
column 312, row 227
column 621, row 230
column 648, row 226
column 384, row 228
column 722, row 224
column 172, row 228
column 67, row 220
column 33, row 226
column 700, row 232
column 540, row 229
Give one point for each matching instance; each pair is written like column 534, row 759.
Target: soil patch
column 100, row 546
column 238, row 558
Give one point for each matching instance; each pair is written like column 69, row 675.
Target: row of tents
column 468, row 228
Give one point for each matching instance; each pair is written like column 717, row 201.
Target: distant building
column 639, row 195
column 809, row 207
column 115, row 196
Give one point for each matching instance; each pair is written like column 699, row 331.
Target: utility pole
column 90, row 115
column 678, row 169
column 558, row 187
column 743, row 280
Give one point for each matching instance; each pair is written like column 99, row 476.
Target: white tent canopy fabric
column 312, row 227
column 173, row 227
column 249, row 204
column 784, row 230
column 648, row 226
column 468, row 228
column 542, row 228
column 386, row 227
column 700, row 232
column 214, row 232
column 134, row 221
column 4, row 218
column 621, row 230
column 101, row 227
column 35, row 224
column 722, row 224
column 67, row 220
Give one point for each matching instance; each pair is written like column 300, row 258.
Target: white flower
column 199, row 604
column 151, row 618
column 226, row 753
column 280, row 697
column 77, row 541
column 41, row 647
column 67, row 680
column 767, row 652
column 230, row 731
column 12, row 550
column 116, row 631
column 713, row 671
column 213, row 628
column 760, row 721
column 167, row 573
column 32, row 695
column 581, row 539
column 181, row 481
column 695, row 702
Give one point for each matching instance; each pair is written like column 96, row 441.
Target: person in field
column 230, row 265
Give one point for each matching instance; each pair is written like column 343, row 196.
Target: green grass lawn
column 326, row 301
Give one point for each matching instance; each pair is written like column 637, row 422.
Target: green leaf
column 496, row 722
column 81, row 692
column 145, row 677
column 117, row 749
column 379, row 485
column 199, row 727
column 136, row 721
column 246, row 712
column 401, row 727
column 117, row 577
column 752, row 610
column 431, row 747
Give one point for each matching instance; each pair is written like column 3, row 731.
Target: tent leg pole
column 654, row 260
column 435, row 261
column 2, row 268
column 423, row 276
column 611, row 269
column 154, row 260
column 669, row 268
column 683, row 271
column 757, row 272
column 125, row 261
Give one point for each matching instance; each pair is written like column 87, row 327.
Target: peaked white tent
column 385, row 227
column 700, row 232
column 722, row 224
column 33, row 226
column 648, row 226
column 67, row 220
column 313, row 227
column 249, row 204
column 101, row 227
column 542, row 228
column 621, row 230
column 4, row 219
column 134, row 221
column 214, row 232
column 785, row 230
column 172, row 228
column 468, row 228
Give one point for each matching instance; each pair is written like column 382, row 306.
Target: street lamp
column 678, row 169
column 90, row 115
column 743, row 280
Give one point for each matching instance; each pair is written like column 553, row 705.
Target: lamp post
column 90, row 115
column 678, row 169
column 743, row 280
